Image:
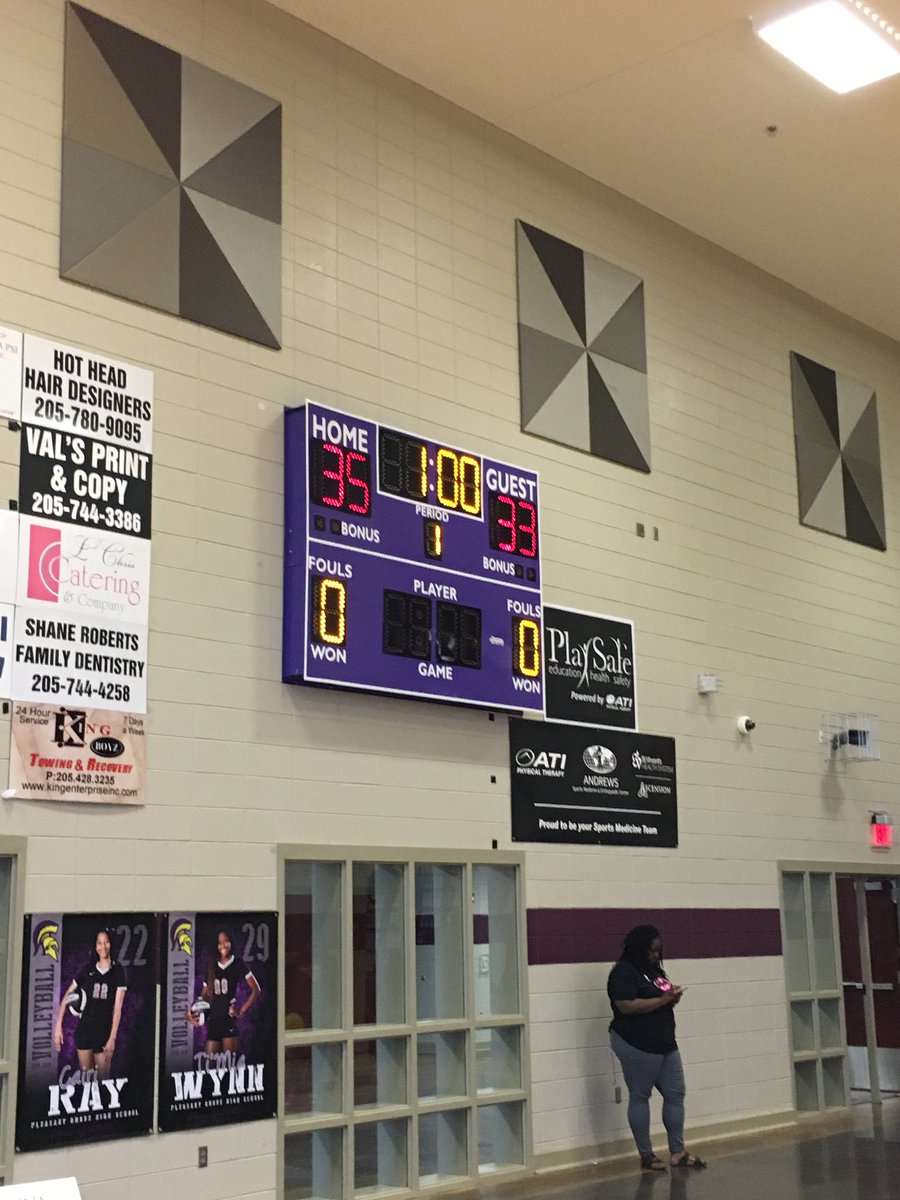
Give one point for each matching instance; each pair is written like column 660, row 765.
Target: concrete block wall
column 400, row 304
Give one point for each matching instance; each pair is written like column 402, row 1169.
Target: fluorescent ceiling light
column 842, row 48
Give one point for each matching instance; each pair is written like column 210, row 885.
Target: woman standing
column 226, row 971
column 96, row 996
column 642, row 1036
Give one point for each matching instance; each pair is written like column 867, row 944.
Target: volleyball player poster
column 86, row 1049
column 218, row 1048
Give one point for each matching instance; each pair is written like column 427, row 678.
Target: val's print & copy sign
column 87, row 1028
column 602, row 787
column 218, row 1059
column 590, row 673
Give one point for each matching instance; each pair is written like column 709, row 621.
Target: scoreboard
column 411, row 566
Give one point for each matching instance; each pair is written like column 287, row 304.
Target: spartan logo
column 69, row 729
column 46, row 941
column 181, row 935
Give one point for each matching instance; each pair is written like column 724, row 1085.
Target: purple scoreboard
column 411, row 567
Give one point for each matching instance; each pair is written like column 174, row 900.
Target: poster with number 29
column 218, row 1030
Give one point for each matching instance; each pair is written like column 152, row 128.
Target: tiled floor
column 858, row 1161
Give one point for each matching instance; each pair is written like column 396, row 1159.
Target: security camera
column 745, row 724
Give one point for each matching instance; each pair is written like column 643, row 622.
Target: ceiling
column 668, row 101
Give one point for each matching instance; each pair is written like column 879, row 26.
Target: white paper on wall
column 10, row 375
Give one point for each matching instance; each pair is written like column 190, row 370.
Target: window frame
column 347, row 1034
column 13, row 848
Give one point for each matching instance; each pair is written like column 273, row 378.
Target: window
column 404, row 1030
column 12, row 875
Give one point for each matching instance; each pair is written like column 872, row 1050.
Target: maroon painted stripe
column 576, row 935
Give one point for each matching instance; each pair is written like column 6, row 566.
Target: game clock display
column 411, row 566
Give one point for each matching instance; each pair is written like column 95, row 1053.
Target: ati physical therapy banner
column 602, row 787
column 88, row 755
column 590, row 673
column 218, row 1022
column 86, row 1050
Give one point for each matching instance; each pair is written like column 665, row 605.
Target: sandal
column 694, row 1161
column 649, row 1162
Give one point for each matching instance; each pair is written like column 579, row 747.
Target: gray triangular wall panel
column 102, row 116
column 247, row 174
column 101, row 195
column 839, row 477
column 564, row 266
column 610, row 436
column 815, row 464
column 539, row 304
column 253, row 247
column 606, row 288
column 827, row 509
column 140, row 262
column 564, row 418
column 623, row 339
column 599, row 406
column 214, row 113
column 862, row 441
column 545, row 361
column 126, row 227
column 209, row 285
column 149, row 74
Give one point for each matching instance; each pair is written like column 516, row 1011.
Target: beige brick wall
column 399, row 302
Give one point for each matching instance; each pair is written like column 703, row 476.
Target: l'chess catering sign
column 76, row 754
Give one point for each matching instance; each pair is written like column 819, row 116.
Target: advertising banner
column 10, row 374
column 64, row 659
column 84, row 481
column 86, row 1050
column 77, row 392
column 590, row 674
column 74, row 754
column 600, row 787
column 6, row 642
column 9, row 541
column 65, row 568
column 218, row 1041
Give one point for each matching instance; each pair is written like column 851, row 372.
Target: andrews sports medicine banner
column 589, row 669
column 591, row 786
column 218, row 1042
column 86, row 1047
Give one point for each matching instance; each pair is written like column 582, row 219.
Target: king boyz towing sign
column 591, row 786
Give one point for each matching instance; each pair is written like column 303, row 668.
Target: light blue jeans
column 643, row 1072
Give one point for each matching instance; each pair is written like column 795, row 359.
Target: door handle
column 860, row 987
column 882, row 987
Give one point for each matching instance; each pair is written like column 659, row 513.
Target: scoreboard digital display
column 411, row 566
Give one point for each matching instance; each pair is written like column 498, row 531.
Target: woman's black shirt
column 653, row 1032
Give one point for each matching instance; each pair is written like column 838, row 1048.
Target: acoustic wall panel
column 582, row 350
column 838, row 455
column 171, row 182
